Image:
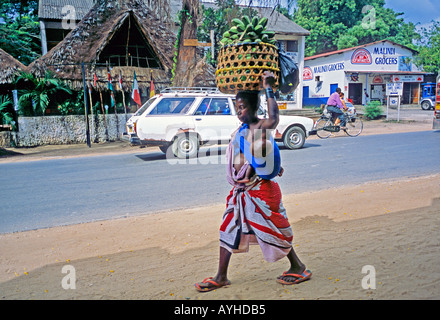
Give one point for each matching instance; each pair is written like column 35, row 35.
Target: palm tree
column 38, row 92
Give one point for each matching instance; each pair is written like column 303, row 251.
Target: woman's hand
column 268, row 79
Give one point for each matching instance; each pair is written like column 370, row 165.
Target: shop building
column 362, row 73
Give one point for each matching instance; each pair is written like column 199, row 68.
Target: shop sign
column 307, row 73
column 329, row 67
column 407, row 78
column 361, row 56
column 377, row 79
column 394, row 88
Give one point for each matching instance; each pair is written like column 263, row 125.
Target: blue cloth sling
column 266, row 167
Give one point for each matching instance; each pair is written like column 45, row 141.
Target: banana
column 255, row 21
column 252, row 34
column 248, row 30
column 233, row 30
column 246, row 20
column 270, row 34
column 237, row 22
column 263, row 22
column 258, row 29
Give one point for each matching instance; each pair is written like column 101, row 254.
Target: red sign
column 307, row 74
column 361, row 56
column 377, row 79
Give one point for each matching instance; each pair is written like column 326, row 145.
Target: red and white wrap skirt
column 255, row 215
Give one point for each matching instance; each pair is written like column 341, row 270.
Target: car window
column 173, row 106
column 145, row 107
column 213, row 106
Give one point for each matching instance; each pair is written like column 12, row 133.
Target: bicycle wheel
column 354, row 126
column 320, row 124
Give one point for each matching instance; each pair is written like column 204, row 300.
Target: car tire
column 294, row 138
column 425, row 105
column 186, row 146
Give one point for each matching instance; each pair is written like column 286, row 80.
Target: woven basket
column 240, row 66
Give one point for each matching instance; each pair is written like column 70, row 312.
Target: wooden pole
column 103, row 113
column 86, row 107
column 91, row 112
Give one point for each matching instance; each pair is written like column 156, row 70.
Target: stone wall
column 37, row 131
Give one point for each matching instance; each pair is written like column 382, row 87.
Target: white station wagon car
column 187, row 118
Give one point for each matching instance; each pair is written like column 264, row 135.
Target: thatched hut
column 121, row 35
column 9, row 67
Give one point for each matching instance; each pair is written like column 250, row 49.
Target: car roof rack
column 190, row 90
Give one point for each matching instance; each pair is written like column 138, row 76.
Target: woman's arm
column 272, row 107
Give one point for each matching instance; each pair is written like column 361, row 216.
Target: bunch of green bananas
column 248, row 30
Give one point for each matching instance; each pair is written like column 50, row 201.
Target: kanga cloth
column 254, row 215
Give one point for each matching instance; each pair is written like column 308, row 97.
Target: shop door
column 305, row 91
column 378, row 93
column 355, row 92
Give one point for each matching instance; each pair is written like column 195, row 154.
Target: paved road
column 48, row 193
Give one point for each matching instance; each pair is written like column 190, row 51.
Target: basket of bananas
column 248, row 50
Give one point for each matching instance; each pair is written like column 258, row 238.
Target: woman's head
column 246, row 105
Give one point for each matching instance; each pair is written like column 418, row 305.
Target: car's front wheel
column 186, row 146
column 294, row 138
column 426, row 105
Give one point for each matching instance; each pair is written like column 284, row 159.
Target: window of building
column 288, row 45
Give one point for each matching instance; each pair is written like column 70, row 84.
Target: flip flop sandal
column 215, row 285
column 306, row 275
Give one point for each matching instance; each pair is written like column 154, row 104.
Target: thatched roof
column 87, row 41
column 9, row 67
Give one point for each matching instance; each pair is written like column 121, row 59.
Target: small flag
column 135, row 95
column 109, row 85
column 152, row 93
column 95, row 79
column 120, row 80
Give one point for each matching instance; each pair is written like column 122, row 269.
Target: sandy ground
column 391, row 226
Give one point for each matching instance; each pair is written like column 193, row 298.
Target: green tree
column 339, row 24
column 429, row 49
column 220, row 19
column 19, row 29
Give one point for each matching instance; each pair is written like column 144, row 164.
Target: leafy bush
column 37, row 93
column 6, row 116
column 373, row 110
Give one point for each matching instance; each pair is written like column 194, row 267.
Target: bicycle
column 325, row 125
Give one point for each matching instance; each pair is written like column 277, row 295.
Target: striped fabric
column 255, row 215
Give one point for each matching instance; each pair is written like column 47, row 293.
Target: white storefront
column 362, row 73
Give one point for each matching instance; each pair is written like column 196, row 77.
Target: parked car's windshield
column 173, row 106
column 145, row 107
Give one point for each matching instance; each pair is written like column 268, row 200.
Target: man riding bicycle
column 335, row 106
